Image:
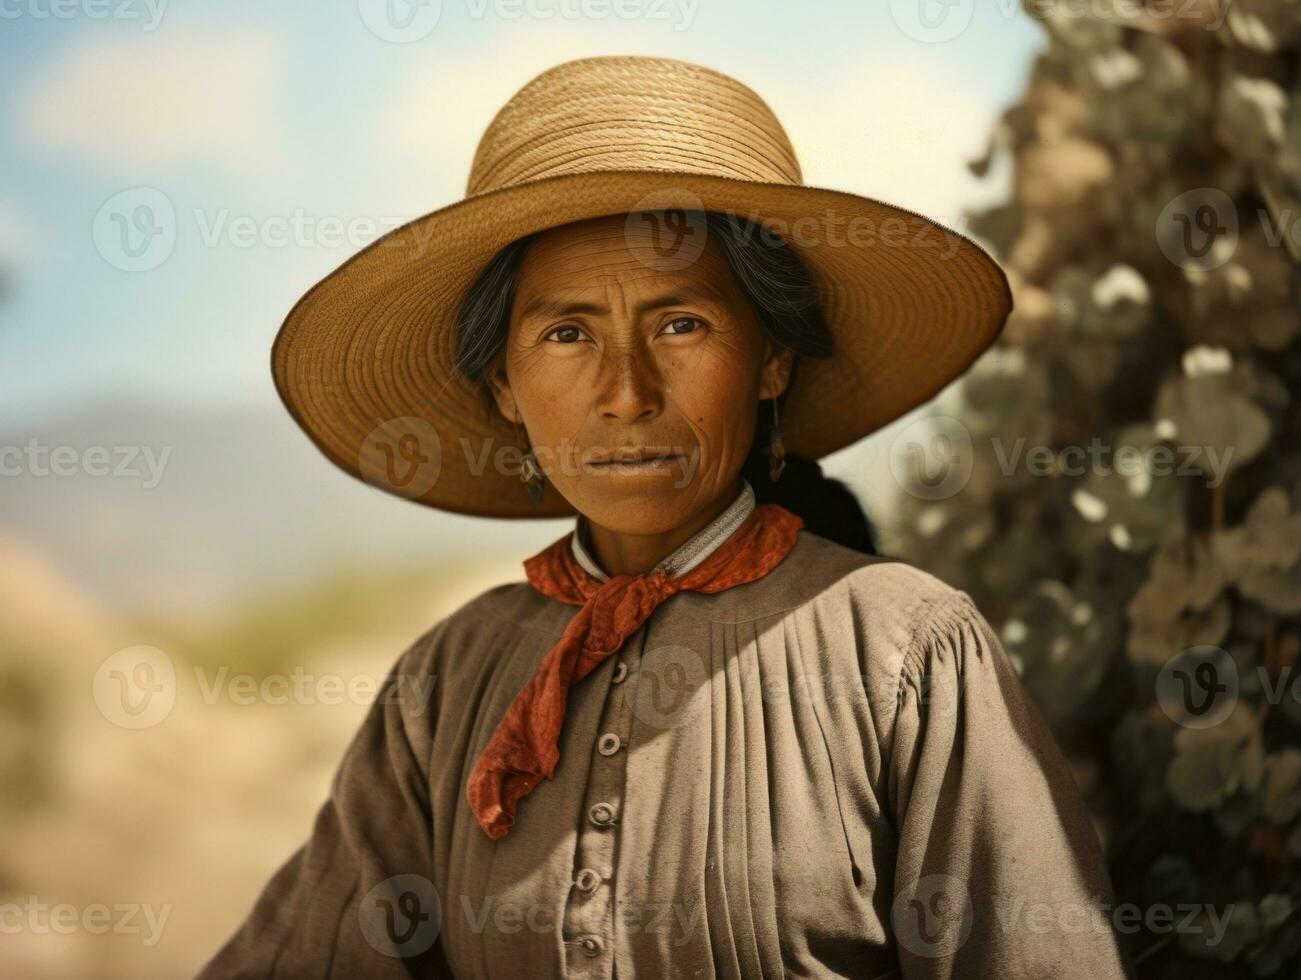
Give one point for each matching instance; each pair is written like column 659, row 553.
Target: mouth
column 645, row 460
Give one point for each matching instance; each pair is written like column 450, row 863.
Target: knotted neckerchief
column 524, row 749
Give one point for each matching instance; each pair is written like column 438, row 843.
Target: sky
column 283, row 137
column 175, row 175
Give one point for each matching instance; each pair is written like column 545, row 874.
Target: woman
column 710, row 734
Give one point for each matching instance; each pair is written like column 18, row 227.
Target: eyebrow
column 546, row 306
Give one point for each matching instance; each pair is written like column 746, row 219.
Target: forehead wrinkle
column 578, row 263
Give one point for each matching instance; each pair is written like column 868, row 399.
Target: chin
column 633, row 506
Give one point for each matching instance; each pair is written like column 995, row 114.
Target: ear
column 505, row 396
column 775, row 374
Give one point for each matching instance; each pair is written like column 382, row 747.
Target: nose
column 630, row 387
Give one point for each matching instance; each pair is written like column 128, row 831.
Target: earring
column 776, row 449
column 530, row 472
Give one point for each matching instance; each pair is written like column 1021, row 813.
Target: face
column 614, row 350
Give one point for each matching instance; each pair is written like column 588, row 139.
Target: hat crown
column 632, row 113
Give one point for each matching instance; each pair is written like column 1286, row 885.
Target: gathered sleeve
column 357, row 899
column 998, row 871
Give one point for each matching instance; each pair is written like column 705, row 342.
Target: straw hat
column 364, row 361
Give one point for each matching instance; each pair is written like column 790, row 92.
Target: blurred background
column 1116, row 484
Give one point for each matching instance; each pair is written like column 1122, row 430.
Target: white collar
column 692, row 551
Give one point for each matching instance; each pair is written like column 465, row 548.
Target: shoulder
column 883, row 595
column 877, row 615
column 486, row 628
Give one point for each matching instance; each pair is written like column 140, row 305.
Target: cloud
column 23, row 242
column 428, row 134
column 146, row 102
column 900, row 131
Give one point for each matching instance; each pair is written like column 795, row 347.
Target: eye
column 682, row 324
column 568, row 334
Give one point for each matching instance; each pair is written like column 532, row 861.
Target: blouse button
column 608, row 744
column 601, row 814
column 620, row 672
column 591, row 945
column 587, row 880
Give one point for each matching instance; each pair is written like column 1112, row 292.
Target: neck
column 637, row 554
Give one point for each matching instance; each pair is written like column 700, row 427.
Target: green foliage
column 1135, row 477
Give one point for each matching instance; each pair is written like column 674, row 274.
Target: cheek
column 711, row 387
column 549, row 396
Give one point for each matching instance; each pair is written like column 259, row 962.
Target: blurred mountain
column 201, row 505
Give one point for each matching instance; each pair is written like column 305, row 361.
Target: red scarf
column 524, row 749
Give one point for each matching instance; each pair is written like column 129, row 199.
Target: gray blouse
column 833, row 771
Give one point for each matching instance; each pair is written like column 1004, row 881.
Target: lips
column 626, row 456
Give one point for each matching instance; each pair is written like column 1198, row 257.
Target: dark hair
column 784, row 298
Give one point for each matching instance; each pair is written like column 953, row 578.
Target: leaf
column 1226, row 428
column 1211, row 764
column 1262, row 556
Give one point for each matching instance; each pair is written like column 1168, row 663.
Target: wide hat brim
column 364, row 362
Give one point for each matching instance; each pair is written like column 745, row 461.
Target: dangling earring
column 776, row 449
column 530, row 473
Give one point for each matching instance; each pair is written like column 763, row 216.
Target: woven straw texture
column 364, row 361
